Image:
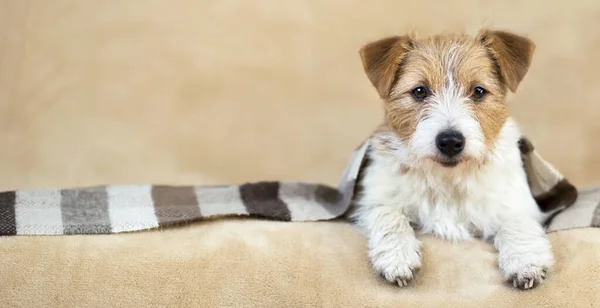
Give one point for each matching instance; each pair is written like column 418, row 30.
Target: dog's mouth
column 448, row 162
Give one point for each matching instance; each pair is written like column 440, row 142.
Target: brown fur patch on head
column 403, row 118
column 511, row 55
column 491, row 116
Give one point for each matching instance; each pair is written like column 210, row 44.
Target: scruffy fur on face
column 431, row 86
column 450, row 67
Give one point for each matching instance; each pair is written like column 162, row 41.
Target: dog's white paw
column 398, row 264
column 529, row 277
column 400, row 274
column 524, row 259
column 527, row 271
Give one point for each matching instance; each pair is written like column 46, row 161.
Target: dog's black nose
column 450, row 142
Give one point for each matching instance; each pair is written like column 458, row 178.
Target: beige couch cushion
column 254, row 263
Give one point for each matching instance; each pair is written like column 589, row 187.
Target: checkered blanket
column 123, row 208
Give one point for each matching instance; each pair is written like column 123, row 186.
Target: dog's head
column 445, row 96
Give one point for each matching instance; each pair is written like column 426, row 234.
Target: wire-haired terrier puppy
column 446, row 159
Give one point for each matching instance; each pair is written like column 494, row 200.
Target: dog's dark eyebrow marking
column 397, row 74
column 423, row 84
column 496, row 66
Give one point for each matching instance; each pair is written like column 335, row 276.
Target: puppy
column 446, row 159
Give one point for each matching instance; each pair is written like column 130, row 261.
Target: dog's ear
column 381, row 59
column 511, row 52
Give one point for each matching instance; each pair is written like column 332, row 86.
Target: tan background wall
column 113, row 91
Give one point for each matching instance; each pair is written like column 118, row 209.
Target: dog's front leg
column 524, row 252
column 393, row 248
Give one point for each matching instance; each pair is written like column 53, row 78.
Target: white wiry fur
column 487, row 196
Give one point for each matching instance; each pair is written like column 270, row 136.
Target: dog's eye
column 419, row 93
column 478, row 93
